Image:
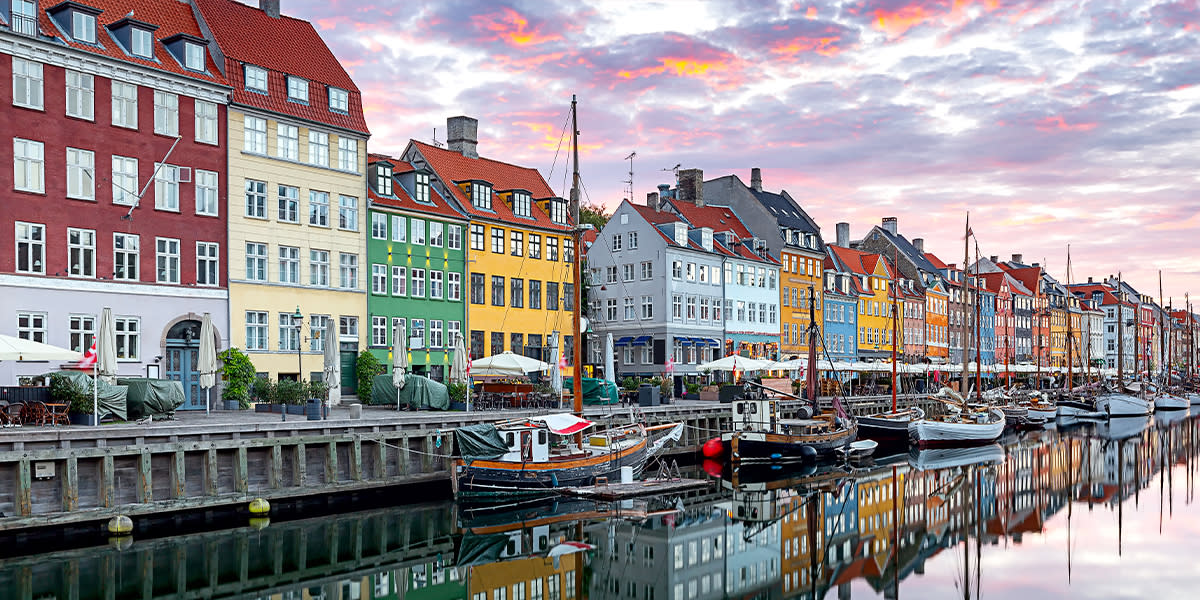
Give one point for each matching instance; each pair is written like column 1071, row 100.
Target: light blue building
column 987, row 324
column 841, row 315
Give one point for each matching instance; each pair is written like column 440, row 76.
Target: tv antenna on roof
column 435, row 140
column 629, row 181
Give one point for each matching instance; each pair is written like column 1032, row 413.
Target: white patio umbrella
column 207, row 361
column 399, row 360
column 106, row 357
column 610, row 371
column 21, row 349
column 458, row 365
column 507, row 363
column 735, row 362
column 556, row 378
column 331, row 367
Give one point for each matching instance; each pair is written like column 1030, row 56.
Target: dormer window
column 681, row 236
column 422, row 191
column 256, row 78
column 297, row 89
column 339, row 100
column 83, row 27
column 142, row 44
column 383, row 179
column 558, row 211
column 193, row 56
column 481, row 196
column 520, row 204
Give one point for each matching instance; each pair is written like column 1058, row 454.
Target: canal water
column 1104, row 511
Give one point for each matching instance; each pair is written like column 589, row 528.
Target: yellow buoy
column 258, row 506
column 120, row 525
column 260, row 523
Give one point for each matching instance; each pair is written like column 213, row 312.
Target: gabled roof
column 936, row 262
column 857, row 261
column 402, row 198
column 1028, row 276
column 170, row 16
column 789, row 214
column 907, row 249
column 724, row 217
column 452, row 167
column 717, row 218
column 283, row 46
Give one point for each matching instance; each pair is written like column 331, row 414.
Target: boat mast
column 978, row 332
column 1120, row 333
column 896, row 263
column 576, row 272
column 1070, row 356
column 966, row 335
column 1162, row 354
column 812, row 352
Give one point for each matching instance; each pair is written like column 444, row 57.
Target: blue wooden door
column 182, row 366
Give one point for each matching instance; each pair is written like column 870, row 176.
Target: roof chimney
column 889, row 223
column 919, row 244
column 652, row 200
column 843, row 235
column 271, row 7
column 462, row 135
column 691, row 186
column 756, row 179
column 1089, row 279
column 994, row 258
column 1017, row 258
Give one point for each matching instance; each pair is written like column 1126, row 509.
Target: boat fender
column 554, row 479
column 776, row 456
column 808, row 452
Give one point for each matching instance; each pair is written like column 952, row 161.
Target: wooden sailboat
column 1117, row 402
column 546, row 453
column 761, row 434
column 1164, row 399
column 890, row 427
column 961, row 424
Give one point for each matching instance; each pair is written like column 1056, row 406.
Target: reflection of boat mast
column 1070, row 493
column 896, row 531
column 978, row 527
column 1120, row 490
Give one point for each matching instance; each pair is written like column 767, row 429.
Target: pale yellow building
column 296, row 185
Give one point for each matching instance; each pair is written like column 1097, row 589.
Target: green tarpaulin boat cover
column 419, row 392
column 110, row 399
column 595, row 391
column 477, row 550
column 479, row 441
column 153, row 396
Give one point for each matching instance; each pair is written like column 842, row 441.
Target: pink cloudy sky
column 1053, row 122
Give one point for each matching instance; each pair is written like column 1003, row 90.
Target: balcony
column 24, row 24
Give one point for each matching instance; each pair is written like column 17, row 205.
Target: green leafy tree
column 593, row 215
column 238, row 374
column 365, row 369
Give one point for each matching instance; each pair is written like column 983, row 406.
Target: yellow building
column 296, row 189
column 874, row 311
column 801, row 274
column 519, row 250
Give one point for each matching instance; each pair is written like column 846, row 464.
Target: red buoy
column 713, row 448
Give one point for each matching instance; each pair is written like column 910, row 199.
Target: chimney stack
column 994, row 258
column 919, row 244
column 1017, row 258
column 843, row 235
column 271, row 7
column 652, row 200
column 691, row 186
column 1089, row 279
column 756, row 179
column 462, row 135
column 890, row 224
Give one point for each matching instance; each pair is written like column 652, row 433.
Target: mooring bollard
column 356, row 411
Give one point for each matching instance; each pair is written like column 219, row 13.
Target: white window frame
column 436, row 234
column 30, row 242
column 124, row 180
column 127, row 254
column 208, row 264
column 318, row 267
column 437, row 280
column 206, row 122
column 399, row 281
column 256, row 330
column 339, row 100
column 81, row 331
column 255, row 78
column 141, row 43
column 207, row 193
column 194, row 56
column 379, row 279
column 81, row 95
column 81, row 174
column 289, row 264
column 256, row 261
column 379, row 330
column 348, row 270
column 297, row 89
column 318, row 208
column 379, row 223
column 256, row 199
column 417, row 233
column 347, row 154
column 254, row 135
column 318, row 148
column 287, row 203
column 166, row 187
column 400, row 228
column 81, row 253
column 31, row 326
column 166, row 113
column 454, row 237
column 416, row 288
column 166, row 260
column 83, row 27
column 124, row 104
column 453, row 286
column 29, row 165
column 287, row 141
column 347, row 213
column 28, row 84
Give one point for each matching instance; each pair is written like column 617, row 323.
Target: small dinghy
column 860, row 450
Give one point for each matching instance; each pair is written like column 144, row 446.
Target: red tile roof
column 859, row 262
column 171, row 16
column 717, row 218
column 285, row 45
column 400, row 197
column 452, row 167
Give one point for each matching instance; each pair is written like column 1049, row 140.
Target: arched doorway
column 182, row 356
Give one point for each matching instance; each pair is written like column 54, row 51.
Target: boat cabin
column 526, row 444
column 755, row 414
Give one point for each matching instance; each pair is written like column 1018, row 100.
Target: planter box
column 458, row 406
column 81, row 419
column 690, row 396
column 232, row 404
column 292, row 409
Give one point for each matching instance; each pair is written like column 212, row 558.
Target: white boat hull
column 1193, row 398
column 927, row 432
column 1066, row 411
column 1043, row 413
column 1124, row 405
column 1170, row 402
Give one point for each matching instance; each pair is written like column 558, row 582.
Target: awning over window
column 642, row 340
column 624, row 341
column 683, row 340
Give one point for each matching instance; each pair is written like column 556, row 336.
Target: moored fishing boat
column 1116, row 404
column 888, row 427
column 760, row 434
column 960, row 425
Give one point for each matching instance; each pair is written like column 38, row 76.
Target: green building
column 416, row 264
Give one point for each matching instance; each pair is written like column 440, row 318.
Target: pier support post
column 145, row 478
column 70, row 484
column 241, row 475
column 299, row 466
column 178, row 474
column 108, row 494
column 276, row 477
column 210, row 473
column 331, row 463
column 24, row 489
column 356, row 460
column 380, row 459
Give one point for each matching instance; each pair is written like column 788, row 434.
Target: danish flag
column 89, row 357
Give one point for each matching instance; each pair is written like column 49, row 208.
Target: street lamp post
column 298, row 320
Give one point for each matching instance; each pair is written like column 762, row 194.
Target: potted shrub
column 79, row 402
column 262, row 393
column 237, row 375
column 458, row 395
column 290, row 396
column 318, row 393
column 693, row 390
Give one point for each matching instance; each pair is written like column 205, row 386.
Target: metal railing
column 24, row 24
